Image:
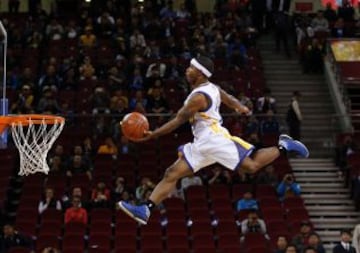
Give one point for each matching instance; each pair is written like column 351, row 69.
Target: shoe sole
column 131, row 215
column 285, row 136
column 302, row 144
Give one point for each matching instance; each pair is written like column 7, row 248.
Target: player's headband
column 200, row 67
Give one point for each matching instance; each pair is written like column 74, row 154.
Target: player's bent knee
column 171, row 174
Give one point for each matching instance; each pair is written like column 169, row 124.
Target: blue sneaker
column 139, row 213
column 292, row 145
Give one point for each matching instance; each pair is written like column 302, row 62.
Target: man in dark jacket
column 12, row 238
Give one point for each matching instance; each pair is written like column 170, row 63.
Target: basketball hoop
column 33, row 135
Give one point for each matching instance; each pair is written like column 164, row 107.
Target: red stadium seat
column 176, row 228
column 101, row 214
column 44, row 241
column 50, row 227
column 100, row 228
column 19, row 250
column 99, row 242
column 74, row 228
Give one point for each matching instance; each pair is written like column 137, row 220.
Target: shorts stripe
column 182, row 154
column 243, row 152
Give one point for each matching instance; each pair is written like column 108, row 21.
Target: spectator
column 87, row 70
column 49, row 201
column 310, row 250
column 108, row 148
column 345, row 243
column 188, row 181
column 330, row 13
column 219, row 176
column 119, row 188
column 174, row 70
column 269, row 124
column 12, row 238
column 25, row 101
column 356, row 238
column 294, row 116
column 48, row 102
column 320, row 23
column 137, row 40
column 50, row 78
column 71, row 30
column 138, row 102
column 156, row 102
column 339, row 29
column 253, row 224
column 50, row 250
column 137, row 81
column 245, row 100
column 145, row 185
column 247, row 202
column 56, row 165
column 266, row 102
column 75, row 193
column 105, row 24
column 100, row 101
column 54, row 30
column 291, row 249
column 300, row 240
column 77, row 165
column 88, row 39
column 282, row 26
column 76, row 213
column 100, row 196
column 346, row 11
column 281, row 244
column 268, row 176
column 315, row 243
column 346, row 148
column 288, row 187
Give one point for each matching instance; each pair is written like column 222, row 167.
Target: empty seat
column 50, row 227
column 153, row 229
column 99, row 241
column 100, row 228
column 101, row 214
column 44, row 241
column 75, row 228
column 73, row 243
column 176, row 228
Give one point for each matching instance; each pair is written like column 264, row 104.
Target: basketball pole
column 4, row 100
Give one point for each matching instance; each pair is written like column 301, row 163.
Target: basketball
column 134, row 125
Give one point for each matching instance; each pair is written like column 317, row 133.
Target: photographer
column 288, row 187
column 253, row 224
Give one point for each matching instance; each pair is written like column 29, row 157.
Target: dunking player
column 212, row 142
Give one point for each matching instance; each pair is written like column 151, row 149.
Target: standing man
column 294, row 116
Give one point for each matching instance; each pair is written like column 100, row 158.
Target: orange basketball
column 134, row 125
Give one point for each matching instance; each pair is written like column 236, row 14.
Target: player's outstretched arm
column 231, row 102
column 195, row 103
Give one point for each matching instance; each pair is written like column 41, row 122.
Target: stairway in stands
column 327, row 200
column 283, row 76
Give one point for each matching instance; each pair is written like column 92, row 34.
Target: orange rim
column 26, row 119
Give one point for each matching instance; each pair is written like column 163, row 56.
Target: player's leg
column 265, row 156
column 175, row 172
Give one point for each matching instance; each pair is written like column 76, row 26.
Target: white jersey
column 210, row 117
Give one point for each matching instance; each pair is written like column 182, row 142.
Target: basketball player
column 212, row 142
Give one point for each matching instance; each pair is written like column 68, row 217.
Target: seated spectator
column 75, row 193
column 76, row 213
column 49, row 201
column 87, row 70
column 88, row 148
column 119, row 187
column 173, row 70
column 138, row 103
column 309, row 249
column 108, row 148
column 50, row 250
column 105, row 24
column 315, row 243
column 267, row 176
column 56, row 165
column 253, row 224
column 345, row 243
column 300, row 240
column 100, row 196
column 339, row 30
column 25, row 101
column 137, row 40
column 54, row 30
column 50, row 79
column 48, row 102
column 71, row 30
column 11, row 238
column 269, row 124
column 145, row 185
column 281, row 244
column 100, row 101
column 288, row 187
column 137, row 80
column 219, row 176
column 266, row 102
column 88, row 39
column 320, row 23
column 78, row 166
column 245, row 100
column 252, row 126
column 188, row 181
column 247, row 202
column 356, row 238
column 291, row 249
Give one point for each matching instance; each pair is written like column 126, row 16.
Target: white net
column 34, row 141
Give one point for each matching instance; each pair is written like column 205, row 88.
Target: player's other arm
column 195, row 103
column 232, row 102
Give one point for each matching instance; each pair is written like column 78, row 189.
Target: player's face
column 191, row 74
